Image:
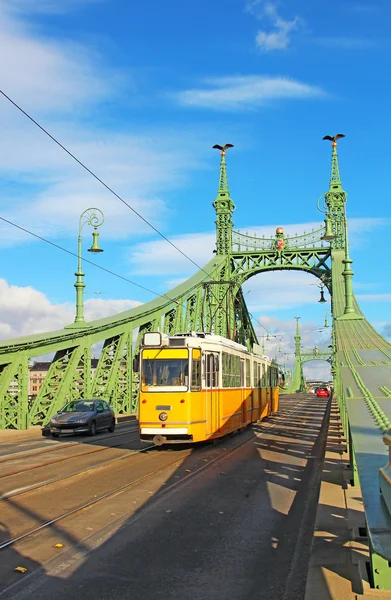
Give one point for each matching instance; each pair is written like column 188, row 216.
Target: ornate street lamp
column 95, row 218
column 322, row 298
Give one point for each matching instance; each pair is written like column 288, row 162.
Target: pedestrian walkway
column 340, row 555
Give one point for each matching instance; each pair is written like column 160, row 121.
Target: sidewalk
column 340, row 550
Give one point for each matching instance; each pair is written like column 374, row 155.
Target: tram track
column 48, row 541
column 122, row 488
column 94, row 451
column 65, row 522
column 56, row 445
column 179, row 456
column 63, row 477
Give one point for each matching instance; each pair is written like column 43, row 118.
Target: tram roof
column 196, row 339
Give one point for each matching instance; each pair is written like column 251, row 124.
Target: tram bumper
column 159, row 436
column 159, row 440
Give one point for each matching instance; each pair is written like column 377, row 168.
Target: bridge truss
column 212, row 300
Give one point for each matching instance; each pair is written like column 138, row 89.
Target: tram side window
column 233, row 370
column 268, row 370
column 238, row 372
column 248, row 373
column 226, row 371
column 196, row 374
column 263, row 375
column 255, row 374
column 211, row 370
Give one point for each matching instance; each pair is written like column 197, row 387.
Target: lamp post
column 95, row 218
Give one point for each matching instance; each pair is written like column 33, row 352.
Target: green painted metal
column 95, row 218
column 297, row 382
column 212, row 300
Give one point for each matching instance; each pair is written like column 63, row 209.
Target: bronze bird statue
column 334, row 139
column 223, row 148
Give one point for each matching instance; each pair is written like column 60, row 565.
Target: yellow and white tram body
column 199, row 386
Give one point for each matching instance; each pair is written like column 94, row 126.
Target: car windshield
column 79, row 406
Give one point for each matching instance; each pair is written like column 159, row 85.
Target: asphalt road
column 240, row 528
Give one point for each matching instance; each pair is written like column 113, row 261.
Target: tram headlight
column 163, row 416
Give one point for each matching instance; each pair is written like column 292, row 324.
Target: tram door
column 212, row 392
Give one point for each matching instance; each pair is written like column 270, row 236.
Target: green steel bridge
column 212, row 300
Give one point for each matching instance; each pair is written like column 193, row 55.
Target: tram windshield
column 165, row 372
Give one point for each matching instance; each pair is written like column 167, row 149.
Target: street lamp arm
column 91, row 216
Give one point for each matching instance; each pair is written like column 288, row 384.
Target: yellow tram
column 200, row 386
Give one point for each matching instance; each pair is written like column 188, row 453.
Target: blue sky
column 141, row 92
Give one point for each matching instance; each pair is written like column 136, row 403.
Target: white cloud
column 60, row 83
column 158, row 258
column 283, row 345
column 281, row 290
column 99, row 308
column 25, row 311
column 46, row 75
column 53, row 189
column 374, row 297
column 246, row 91
column 359, row 228
column 279, row 37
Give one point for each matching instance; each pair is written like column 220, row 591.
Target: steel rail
column 41, row 484
column 124, row 487
column 63, row 458
column 54, row 447
column 109, row 494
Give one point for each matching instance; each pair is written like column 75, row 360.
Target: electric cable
column 35, row 122
column 86, row 260
column 100, row 180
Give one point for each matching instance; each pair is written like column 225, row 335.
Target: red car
column 322, row 392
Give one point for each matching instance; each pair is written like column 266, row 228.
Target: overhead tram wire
column 94, row 264
column 90, row 262
column 117, row 196
column 101, row 181
column 39, row 237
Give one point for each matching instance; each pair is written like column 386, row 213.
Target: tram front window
column 164, row 372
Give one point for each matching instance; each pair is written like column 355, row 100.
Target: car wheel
column 92, row 430
column 112, row 426
column 55, row 434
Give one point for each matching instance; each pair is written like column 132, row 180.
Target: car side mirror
column 99, row 409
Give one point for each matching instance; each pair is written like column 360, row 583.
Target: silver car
column 83, row 416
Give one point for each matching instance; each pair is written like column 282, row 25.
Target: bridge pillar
column 297, row 381
column 224, row 208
